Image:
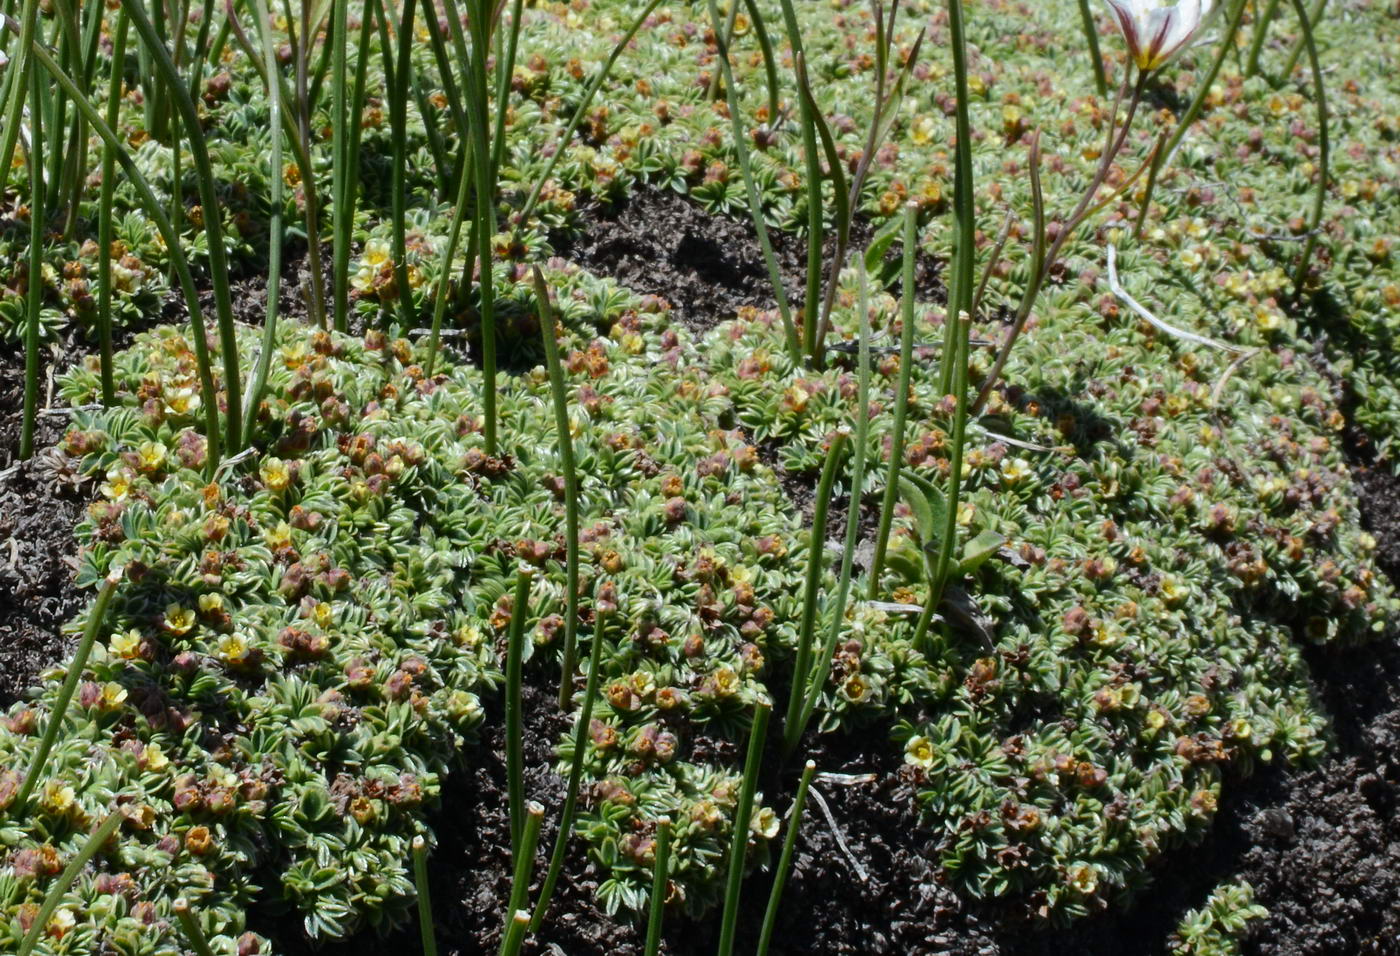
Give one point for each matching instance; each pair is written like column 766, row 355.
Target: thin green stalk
column 743, row 814
column 515, row 723
column 95, row 841
column 305, row 106
column 960, row 284
column 515, row 933
column 17, row 87
column 104, row 213
column 741, row 149
column 525, row 860
column 274, row 229
column 505, row 70
column 1203, row 87
column 581, row 727
column 1300, row 274
column 724, row 35
column 346, row 198
column 321, row 69
column 802, row 665
column 159, row 80
column 1041, row 264
column 660, row 879
column 441, row 164
column 1314, row 15
column 398, row 196
column 341, row 220
column 201, row 46
column 1091, row 34
column 1153, row 167
column 209, row 202
column 74, row 676
column 887, row 103
column 822, row 665
column 194, row 934
column 56, row 119
column 484, row 216
column 811, row 301
column 1261, row 31
column 293, row 116
column 465, row 180
column 948, row 540
column 770, row 62
column 34, row 297
column 780, row 876
column 70, row 190
column 177, row 174
column 216, row 48
column 548, row 331
column 446, row 78
column 425, row 900
column 156, row 211
column 579, row 112
column 901, row 399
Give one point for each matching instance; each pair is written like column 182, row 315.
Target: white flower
column 1156, row 29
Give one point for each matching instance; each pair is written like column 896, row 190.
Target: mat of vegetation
column 1166, row 622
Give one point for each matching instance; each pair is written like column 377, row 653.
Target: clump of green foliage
column 1219, row 926
column 1138, row 531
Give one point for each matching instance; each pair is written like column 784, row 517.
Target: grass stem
column 660, row 881
column 780, row 875
column 425, row 901
column 743, row 815
column 548, row 331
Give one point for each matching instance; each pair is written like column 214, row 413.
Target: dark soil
column 707, row 266
column 39, row 504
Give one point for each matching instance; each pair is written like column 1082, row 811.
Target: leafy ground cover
column 1180, row 593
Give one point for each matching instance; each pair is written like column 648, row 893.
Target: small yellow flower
column 919, row 752
column 796, row 398
column 154, row 757
column 276, row 474
column 377, row 253
column 1083, row 878
column 127, row 645
column 294, row 355
column 324, row 614
column 181, row 401
column 764, row 823
column 113, row 696
column 923, row 130
column 1106, row 634
column 1267, row 318
column 118, row 483
column 58, row 797
column 151, row 456
column 279, row 536
column 1014, row 470
column 234, row 649
column 462, row 706
column 61, row 923
column 178, row 620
